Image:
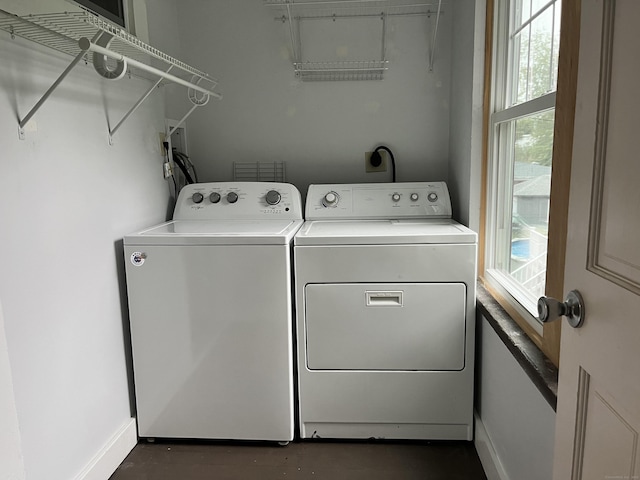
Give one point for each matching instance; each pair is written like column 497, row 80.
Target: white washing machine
column 385, row 301
column 211, row 314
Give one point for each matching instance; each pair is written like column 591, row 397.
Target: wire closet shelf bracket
column 114, row 54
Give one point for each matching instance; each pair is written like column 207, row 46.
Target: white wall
column 467, row 84
column 321, row 129
column 66, row 200
column 518, row 421
column 162, row 18
column 11, row 463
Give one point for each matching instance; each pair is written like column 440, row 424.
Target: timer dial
column 197, row 197
column 214, row 197
column 432, row 197
column 232, row 197
column 330, row 199
column 395, row 197
column 273, row 197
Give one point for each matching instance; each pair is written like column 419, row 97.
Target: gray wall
column 321, row 129
column 467, row 83
column 66, row 200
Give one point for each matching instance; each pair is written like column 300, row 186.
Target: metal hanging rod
column 315, row 3
column 86, row 45
column 428, row 13
column 84, row 35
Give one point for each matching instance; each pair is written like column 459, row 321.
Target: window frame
column 121, row 18
column 495, row 207
column 547, row 338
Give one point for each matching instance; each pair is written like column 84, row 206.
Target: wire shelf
column 84, row 35
column 352, row 8
column 62, row 31
column 341, row 71
column 297, row 12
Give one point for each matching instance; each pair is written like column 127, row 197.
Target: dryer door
column 400, row 326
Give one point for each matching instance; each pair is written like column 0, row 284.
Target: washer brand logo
column 138, row 258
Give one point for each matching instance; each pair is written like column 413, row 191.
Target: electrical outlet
column 168, row 169
column 369, row 167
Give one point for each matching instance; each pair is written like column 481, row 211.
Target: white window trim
column 540, row 104
column 497, row 280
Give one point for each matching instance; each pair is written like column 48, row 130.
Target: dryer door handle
column 383, row 299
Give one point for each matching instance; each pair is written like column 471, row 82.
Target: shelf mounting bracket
column 47, row 94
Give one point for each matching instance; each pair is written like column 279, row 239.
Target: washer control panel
column 378, row 200
column 238, row 200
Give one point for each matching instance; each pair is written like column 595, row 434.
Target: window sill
column 542, row 372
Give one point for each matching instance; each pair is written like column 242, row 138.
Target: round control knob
column 232, row 197
column 214, row 197
column 432, row 197
column 197, row 197
column 330, row 199
column 273, row 197
column 395, row 197
column 414, row 197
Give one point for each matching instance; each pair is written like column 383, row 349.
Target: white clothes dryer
column 385, row 287
column 211, row 314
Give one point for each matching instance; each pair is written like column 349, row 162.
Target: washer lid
column 383, row 232
column 219, row 232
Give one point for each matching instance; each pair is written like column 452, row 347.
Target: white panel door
column 598, row 416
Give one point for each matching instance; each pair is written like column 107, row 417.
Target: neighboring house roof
column 525, row 171
column 536, row 187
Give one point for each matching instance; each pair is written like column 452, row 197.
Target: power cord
column 376, row 159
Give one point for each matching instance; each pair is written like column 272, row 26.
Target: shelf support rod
column 384, row 36
column 292, row 35
column 48, row 93
column 113, row 131
column 86, row 44
column 182, row 120
column 435, row 35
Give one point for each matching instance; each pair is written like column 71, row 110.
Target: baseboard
column 102, row 466
column 490, row 462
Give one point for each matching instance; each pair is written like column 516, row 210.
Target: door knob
column 549, row 309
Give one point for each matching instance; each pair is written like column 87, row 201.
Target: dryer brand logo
column 138, row 258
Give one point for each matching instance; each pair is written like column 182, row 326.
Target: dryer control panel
column 378, row 201
column 238, row 200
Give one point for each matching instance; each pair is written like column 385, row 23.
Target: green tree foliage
column 536, row 77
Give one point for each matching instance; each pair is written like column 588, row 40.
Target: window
column 110, row 9
column 526, row 41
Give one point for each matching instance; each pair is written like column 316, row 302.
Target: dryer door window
column 400, row 326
